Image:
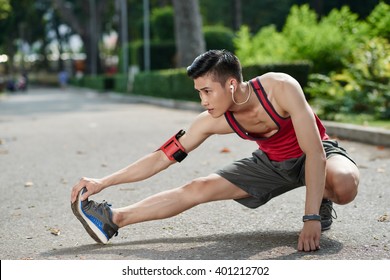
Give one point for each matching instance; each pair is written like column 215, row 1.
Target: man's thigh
column 215, row 187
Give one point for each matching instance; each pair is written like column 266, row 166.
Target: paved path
column 49, row 138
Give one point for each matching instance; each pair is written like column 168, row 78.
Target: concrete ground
column 49, row 138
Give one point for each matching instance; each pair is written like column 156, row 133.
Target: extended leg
column 172, row 202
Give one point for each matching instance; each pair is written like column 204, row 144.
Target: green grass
column 362, row 119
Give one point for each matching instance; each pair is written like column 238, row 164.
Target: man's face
column 213, row 95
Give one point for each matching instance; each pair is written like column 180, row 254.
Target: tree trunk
column 237, row 14
column 83, row 28
column 188, row 31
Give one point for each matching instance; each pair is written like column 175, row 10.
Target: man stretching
column 294, row 150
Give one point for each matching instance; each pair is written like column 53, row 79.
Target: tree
column 188, row 31
column 17, row 18
column 70, row 11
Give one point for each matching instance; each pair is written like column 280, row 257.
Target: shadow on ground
column 274, row 245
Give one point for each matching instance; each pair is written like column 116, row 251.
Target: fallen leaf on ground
column 55, row 231
column 64, row 181
column 225, row 150
column 28, row 184
column 384, row 218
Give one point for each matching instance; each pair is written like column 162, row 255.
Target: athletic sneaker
column 326, row 213
column 95, row 217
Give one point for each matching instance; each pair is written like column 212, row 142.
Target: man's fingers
column 76, row 189
column 308, row 245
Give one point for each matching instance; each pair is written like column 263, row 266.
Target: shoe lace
column 327, row 211
column 100, row 207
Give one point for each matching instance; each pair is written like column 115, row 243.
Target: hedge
column 299, row 70
column 175, row 84
column 172, row 84
column 162, row 55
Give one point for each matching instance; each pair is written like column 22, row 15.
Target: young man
column 294, row 151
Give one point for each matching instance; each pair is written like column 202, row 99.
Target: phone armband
column 173, row 149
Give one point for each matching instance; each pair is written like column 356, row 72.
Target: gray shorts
column 263, row 179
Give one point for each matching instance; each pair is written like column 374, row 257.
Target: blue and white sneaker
column 96, row 218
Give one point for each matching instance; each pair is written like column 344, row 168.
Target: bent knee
column 345, row 187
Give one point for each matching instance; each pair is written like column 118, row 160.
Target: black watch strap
column 311, row 217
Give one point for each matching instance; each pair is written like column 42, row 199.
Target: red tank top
column 283, row 144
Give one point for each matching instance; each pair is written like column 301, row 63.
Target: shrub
column 325, row 43
column 94, row 82
column 218, row 37
column 120, row 83
column 172, row 84
column 162, row 24
column 162, row 55
column 175, row 84
column 362, row 87
column 299, row 70
column 267, row 46
column 379, row 21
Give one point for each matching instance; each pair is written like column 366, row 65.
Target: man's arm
column 289, row 95
column 202, row 127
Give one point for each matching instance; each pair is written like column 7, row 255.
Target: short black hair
column 221, row 64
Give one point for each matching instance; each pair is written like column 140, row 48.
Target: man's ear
column 232, row 83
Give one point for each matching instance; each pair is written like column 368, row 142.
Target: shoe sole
column 325, row 228
column 89, row 226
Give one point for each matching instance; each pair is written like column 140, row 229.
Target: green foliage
column 5, row 9
column 101, row 83
column 363, row 87
column 267, row 46
column 379, row 21
column 162, row 54
column 120, row 83
column 162, row 24
column 299, row 70
column 324, row 42
column 303, row 37
column 94, row 82
column 172, row 84
column 218, row 37
column 175, row 84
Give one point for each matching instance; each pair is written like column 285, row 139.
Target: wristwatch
column 311, row 217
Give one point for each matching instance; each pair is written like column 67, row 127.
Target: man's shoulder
column 278, row 81
column 275, row 77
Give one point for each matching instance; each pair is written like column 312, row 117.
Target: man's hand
column 309, row 238
column 93, row 186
